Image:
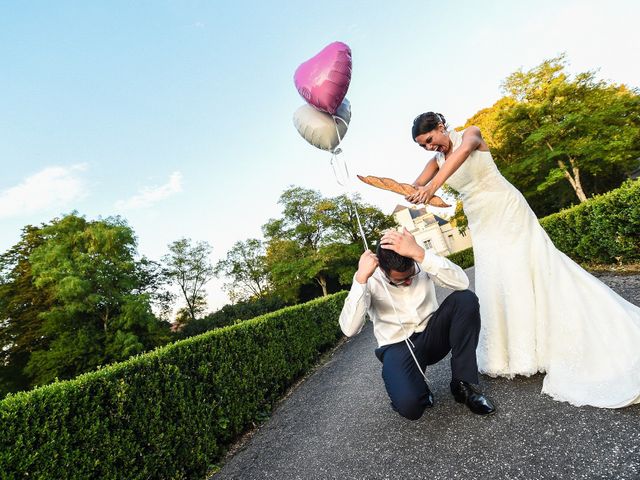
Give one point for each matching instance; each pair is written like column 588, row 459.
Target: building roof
column 419, row 212
column 441, row 221
column 413, row 211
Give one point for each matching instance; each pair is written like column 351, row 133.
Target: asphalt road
column 338, row 424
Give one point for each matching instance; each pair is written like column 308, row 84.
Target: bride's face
column 437, row 140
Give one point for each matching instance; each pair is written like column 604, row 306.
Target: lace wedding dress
column 541, row 312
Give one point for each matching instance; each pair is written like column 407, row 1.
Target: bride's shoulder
column 473, row 135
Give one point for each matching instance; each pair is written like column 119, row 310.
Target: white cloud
column 149, row 196
column 49, row 189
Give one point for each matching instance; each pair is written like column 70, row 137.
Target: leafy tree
column 489, row 121
column 188, row 266
column 552, row 128
column 81, row 307
column 343, row 213
column 20, row 305
column 459, row 219
column 245, row 265
column 317, row 240
column 153, row 282
column 292, row 265
column 294, row 241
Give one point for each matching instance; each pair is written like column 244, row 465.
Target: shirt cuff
column 431, row 262
column 357, row 286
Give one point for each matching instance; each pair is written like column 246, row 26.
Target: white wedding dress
column 540, row 311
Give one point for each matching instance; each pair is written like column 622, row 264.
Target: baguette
column 401, row 188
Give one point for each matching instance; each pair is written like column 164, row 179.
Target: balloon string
column 344, row 180
column 341, row 172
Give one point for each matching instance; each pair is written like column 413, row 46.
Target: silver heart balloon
column 319, row 128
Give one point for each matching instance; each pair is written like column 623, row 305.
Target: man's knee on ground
column 409, row 408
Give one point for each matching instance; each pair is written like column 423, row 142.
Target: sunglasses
column 399, row 283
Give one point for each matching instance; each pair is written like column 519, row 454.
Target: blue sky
column 177, row 114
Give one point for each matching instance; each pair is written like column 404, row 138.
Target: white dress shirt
column 413, row 303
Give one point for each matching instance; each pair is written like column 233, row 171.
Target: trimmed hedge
column 463, row 258
column 604, row 229
column 169, row 413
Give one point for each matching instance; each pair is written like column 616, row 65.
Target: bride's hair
column 425, row 122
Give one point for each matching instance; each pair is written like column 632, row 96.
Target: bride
column 540, row 311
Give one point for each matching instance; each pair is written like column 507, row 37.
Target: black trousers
column 454, row 328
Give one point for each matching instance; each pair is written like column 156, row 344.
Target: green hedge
column 170, row 413
column 604, row 229
column 463, row 258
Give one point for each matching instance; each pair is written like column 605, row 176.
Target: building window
column 427, row 244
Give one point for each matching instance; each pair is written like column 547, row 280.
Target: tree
column 551, row 128
column 459, row 219
column 570, row 126
column 20, row 305
column 189, row 267
column 82, row 306
column 245, row 264
column 295, row 239
column 341, row 213
column 317, row 240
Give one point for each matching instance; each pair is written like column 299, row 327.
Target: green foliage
column 20, row 305
column 605, row 229
column 317, row 240
column 463, row 258
column 559, row 138
column 459, row 218
column 245, row 265
column 231, row 314
column 169, row 413
column 188, row 266
column 71, row 299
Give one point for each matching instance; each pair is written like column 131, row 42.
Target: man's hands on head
column 366, row 266
column 403, row 243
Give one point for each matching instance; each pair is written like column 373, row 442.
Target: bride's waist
column 493, row 182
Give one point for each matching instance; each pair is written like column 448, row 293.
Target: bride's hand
column 422, row 195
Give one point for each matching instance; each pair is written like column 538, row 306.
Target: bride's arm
column 471, row 140
column 429, row 171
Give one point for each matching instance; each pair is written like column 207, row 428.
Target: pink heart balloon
column 324, row 79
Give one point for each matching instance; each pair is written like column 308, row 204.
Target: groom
column 431, row 331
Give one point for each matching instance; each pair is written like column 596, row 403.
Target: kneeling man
column 418, row 330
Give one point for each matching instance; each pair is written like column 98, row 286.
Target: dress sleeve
column 352, row 317
column 444, row 272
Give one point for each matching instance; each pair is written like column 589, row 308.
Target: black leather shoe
column 472, row 397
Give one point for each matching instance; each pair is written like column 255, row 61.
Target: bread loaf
column 401, row 188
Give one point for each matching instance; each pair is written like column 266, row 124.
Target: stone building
column 432, row 232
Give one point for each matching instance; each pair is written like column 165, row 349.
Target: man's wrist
column 361, row 278
column 418, row 256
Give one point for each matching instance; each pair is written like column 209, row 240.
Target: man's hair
column 390, row 260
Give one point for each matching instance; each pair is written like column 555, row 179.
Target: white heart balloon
column 319, row 128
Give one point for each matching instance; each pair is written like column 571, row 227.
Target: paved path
column 338, row 425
